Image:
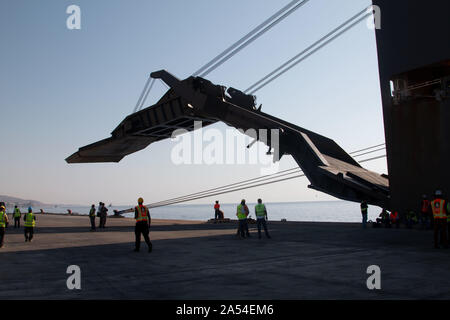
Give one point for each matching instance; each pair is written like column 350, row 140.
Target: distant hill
column 12, row 201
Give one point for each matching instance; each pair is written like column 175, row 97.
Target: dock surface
column 196, row 260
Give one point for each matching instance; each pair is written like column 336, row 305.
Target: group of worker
column 242, row 213
column 433, row 214
column 102, row 213
column 29, row 223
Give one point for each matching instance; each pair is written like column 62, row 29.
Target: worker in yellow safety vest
column 261, row 217
column 143, row 221
column 242, row 213
column 3, row 224
column 92, row 217
column 17, row 215
column 30, row 223
column 438, row 207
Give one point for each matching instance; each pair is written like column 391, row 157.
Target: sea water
column 320, row 211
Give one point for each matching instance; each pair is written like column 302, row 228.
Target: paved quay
column 196, row 260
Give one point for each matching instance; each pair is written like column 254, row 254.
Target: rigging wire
column 249, row 187
column 253, row 38
column 249, row 181
column 142, row 94
column 286, row 66
column 249, row 35
column 230, row 52
column 146, row 95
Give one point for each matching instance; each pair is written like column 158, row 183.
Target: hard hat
column 30, row 209
column 140, row 200
column 2, row 207
column 438, row 193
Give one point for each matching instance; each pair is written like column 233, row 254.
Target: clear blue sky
column 62, row 89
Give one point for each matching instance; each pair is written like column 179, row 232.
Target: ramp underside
column 326, row 165
column 139, row 130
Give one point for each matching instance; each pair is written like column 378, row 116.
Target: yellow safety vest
column 241, row 212
column 2, row 219
column 17, row 213
column 437, row 206
column 142, row 213
column 260, row 210
column 92, row 212
column 29, row 220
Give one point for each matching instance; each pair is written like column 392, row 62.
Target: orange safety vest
column 425, row 205
column 394, row 216
column 437, row 205
column 142, row 213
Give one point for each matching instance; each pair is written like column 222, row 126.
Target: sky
column 62, row 89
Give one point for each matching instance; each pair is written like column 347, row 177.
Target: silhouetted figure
column 103, row 214
column 425, row 213
column 30, row 223
column 364, row 209
column 92, row 217
column 143, row 222
column 3, row 224
column 261, row 217
column 216, row 210
column 17, row 215
column 242, row 214
column 438, row 207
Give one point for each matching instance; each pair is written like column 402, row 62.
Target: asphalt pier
column 196, row 260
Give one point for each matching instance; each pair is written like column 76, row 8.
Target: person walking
column 30, row 223
column 92, row 217
column 261, row 217
column 3, row 224
column 440, row 220
column 143, row 222
column 242, row 213
column 364, row 209
column 17, row 215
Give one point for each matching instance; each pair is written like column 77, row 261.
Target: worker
column 216, row 211
column 30, row 223
column 448, row 219
column 17, row 215
column 425, row 212
column 411, row 219
column 3, row 224
column 92, row 217
column 103, row 215
column 261, row 217
column 440, row 219
column 143, row 221
column 364, row 209
column 384, row 215
column 395, row 219
column 242, row 213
